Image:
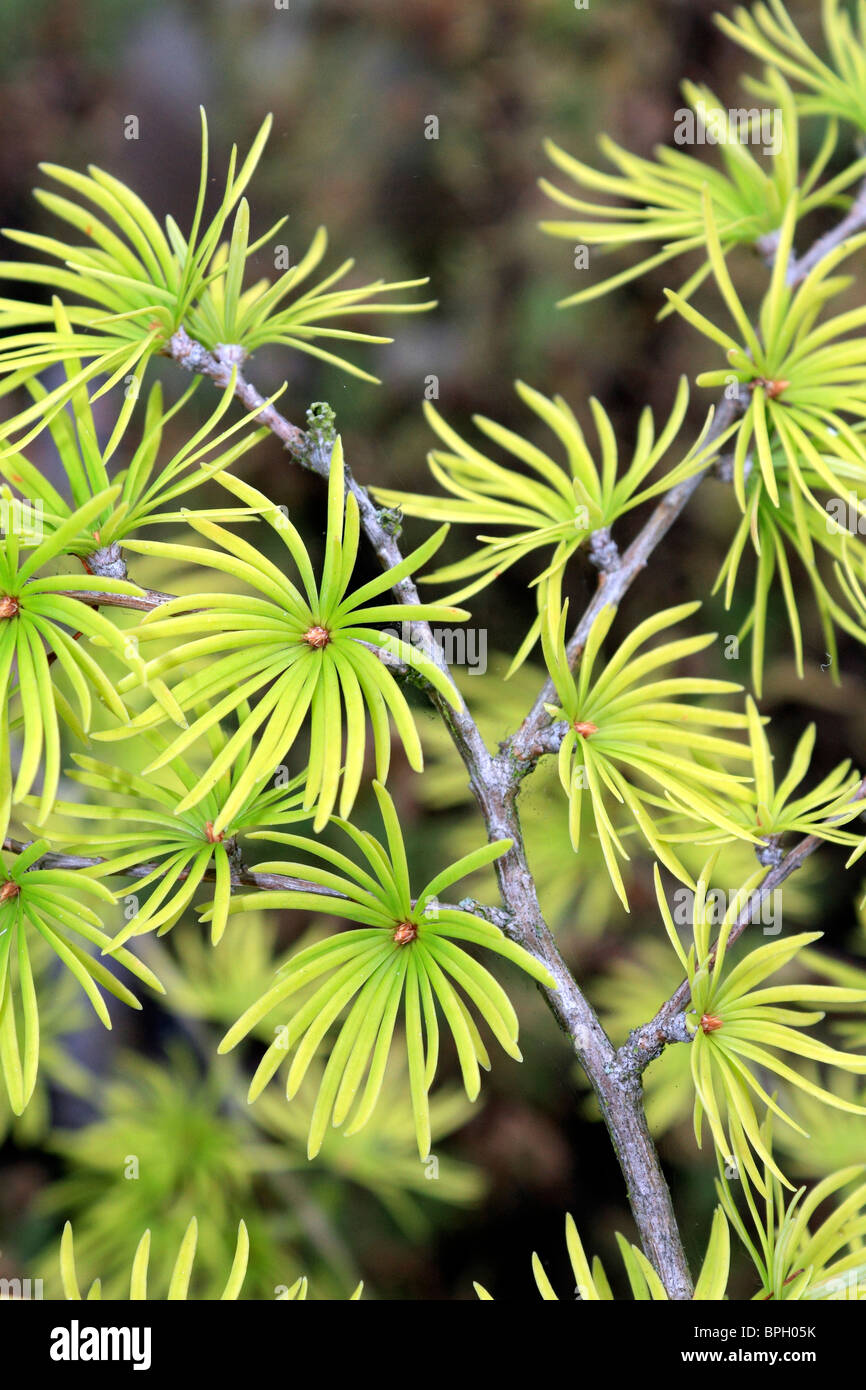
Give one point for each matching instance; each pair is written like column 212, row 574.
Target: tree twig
column 853, row 221
column 613, row 584
column 646, row 1043
column 615, row 580
column 240, row 878
column 140, row 603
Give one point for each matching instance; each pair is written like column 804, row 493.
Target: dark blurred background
column 351, row 87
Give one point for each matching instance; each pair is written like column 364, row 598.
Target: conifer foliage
column 223, row 748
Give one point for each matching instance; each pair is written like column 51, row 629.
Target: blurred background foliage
column 353, row 87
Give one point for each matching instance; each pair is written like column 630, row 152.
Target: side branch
column 646, row 1043
column 616, row 579
column 143, row 603
column 613, row 584
column 241, row 876
column 853, row 221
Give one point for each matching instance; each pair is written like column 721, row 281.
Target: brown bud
column 9, row 890
column 585, row 728
column 317, row 637
column 772, row 388
column 406, row 932
column 8, row 606
column 710, row 1023
column 209, row 835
